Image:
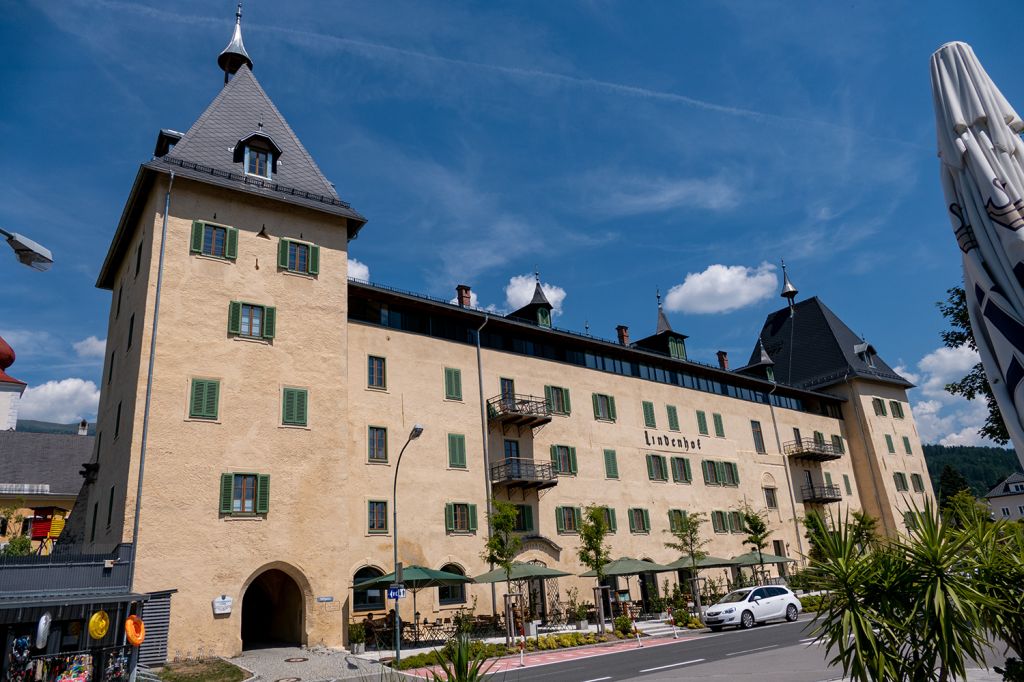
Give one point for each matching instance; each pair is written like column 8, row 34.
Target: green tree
column 975, row 384
column 950, row 483
column 758, row 533
column 865, row 529
column 504, row 544
column 593, row 552
column 690, row 543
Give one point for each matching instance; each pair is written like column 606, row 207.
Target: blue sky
column 618, row 147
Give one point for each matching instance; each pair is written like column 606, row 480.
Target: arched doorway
column 272, row 611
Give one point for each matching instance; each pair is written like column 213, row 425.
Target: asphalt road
column 762, row 645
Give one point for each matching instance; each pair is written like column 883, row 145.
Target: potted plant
column 357, row 638
column 582, row 610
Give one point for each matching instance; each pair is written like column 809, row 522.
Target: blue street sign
column 396, row 591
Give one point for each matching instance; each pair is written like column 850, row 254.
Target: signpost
column 396, row 591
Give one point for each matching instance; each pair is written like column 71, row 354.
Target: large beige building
column 262, row 424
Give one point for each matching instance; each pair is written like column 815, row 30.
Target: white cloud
column 943, row 366
column 635, row 196
column 91, row 347
column 357, row 270
column 519, row 292
column 722, row 289
column 63, row 401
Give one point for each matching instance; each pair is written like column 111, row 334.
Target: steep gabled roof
column 1003, row 489
column 44, row 458
column 663, row 324
column 813, row 348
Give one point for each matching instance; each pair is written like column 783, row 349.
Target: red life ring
column 134, row 630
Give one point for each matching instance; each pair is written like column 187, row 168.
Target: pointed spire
column 789, row 291
column 663, row 324
column 538, row 292
column 765, row 358
column 234, row 55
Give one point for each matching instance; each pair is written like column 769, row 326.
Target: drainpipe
column 487, row 458
column 149, row 386
column 876, row 484
column 789, row 480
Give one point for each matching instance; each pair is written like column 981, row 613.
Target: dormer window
column 258, row 161
column 543, row 317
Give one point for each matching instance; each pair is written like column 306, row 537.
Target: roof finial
column 234, row 56
column 536, row 274
column 789, row 291
column 657, row 294
column 663, row 324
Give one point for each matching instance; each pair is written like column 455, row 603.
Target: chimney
column 463, row 295
column 623, row 332
column 83, row 428
column 723, row 359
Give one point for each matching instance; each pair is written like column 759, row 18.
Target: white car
column 745, row 607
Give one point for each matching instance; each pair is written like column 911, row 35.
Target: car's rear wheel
column 747, row 620
column 715, row 628
column 791, row 613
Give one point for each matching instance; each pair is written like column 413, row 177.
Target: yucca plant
column 463, row 666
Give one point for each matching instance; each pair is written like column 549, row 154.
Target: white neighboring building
column 10, row 389
column 1006, row 500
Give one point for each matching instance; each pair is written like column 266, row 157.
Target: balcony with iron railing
column 820, row 494
column 518, row 410
column 524, row 473
column 65, row 570
column 811, row 449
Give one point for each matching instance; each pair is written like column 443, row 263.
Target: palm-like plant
column 463, row 666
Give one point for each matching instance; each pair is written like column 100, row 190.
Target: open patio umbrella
column 628, row 566
column 751, row 559
column 520, row 571
column 416, row 578
column 685, row 562
column 982, row 172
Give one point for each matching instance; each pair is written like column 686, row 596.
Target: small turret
column 538, row 310
column 234, row 55
column 789, row 291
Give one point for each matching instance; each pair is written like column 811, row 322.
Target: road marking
column 672, row 665
column 809, row 639
column 598, row 679
column 749, row 651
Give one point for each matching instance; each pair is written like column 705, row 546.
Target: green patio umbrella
column 416, row 578
column 752, row 559
column 520, row 571
column 628, row 566
column 685, row 562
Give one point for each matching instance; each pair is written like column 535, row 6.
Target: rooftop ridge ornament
column 663, row 323
column 789, row 291
column 234, row 56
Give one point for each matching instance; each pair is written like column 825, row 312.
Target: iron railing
column 821, row 493
column 518, row 469
column 517, row 406
column 809, row 448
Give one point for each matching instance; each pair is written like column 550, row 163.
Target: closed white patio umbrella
column 982, row 171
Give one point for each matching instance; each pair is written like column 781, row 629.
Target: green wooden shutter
column 227, row 491
column 263, row 493
column 472, row 518
column 288, row 406
column 559, row 521
column 572, row 460
column 632, row 520
column 313, row 262
column 269, row 322
column 720, row 472
column 735, row 473
column 613, row 524
column 647, row 521
column 235, row 317
column 452, row 383
column 197, row 403
column 462, row 451
column 828, row 479
column 282, row 254
column 650, row 467
column 676, row 473
column 301, row 396
column 889, row 445
column 458, row 383
column 906, row 445
column 846, row 484
column 719, row 426
column 196, row 245
column 687, row 474
column 456, row 450
column 547, row 398
column 554, row 459
column 449, row 517
column 212, row 399
column 649, row 420
column 527, row 517
column 578, row 515
column 837, row 443
column 231, row 244
column 672, row 520
column 673, row 418
column 611, row 409
column 566, row 405
column 597, row 408
column 702, row 423
column 610, row 465
column 706, row 469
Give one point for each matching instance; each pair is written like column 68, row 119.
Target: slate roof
column 51, row 458
column 1003, row 489
column 663, row 323
column 824, row 349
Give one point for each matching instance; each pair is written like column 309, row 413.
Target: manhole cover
column 289, row 679
column 296, row 660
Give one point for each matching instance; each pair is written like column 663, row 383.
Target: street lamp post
column 28, row 252
column 413, row 435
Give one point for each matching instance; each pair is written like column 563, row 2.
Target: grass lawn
column 212, row 670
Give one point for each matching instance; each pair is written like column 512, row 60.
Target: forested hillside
column 983, row 467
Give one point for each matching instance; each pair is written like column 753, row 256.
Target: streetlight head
column 416, row 431
column 30, row 253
